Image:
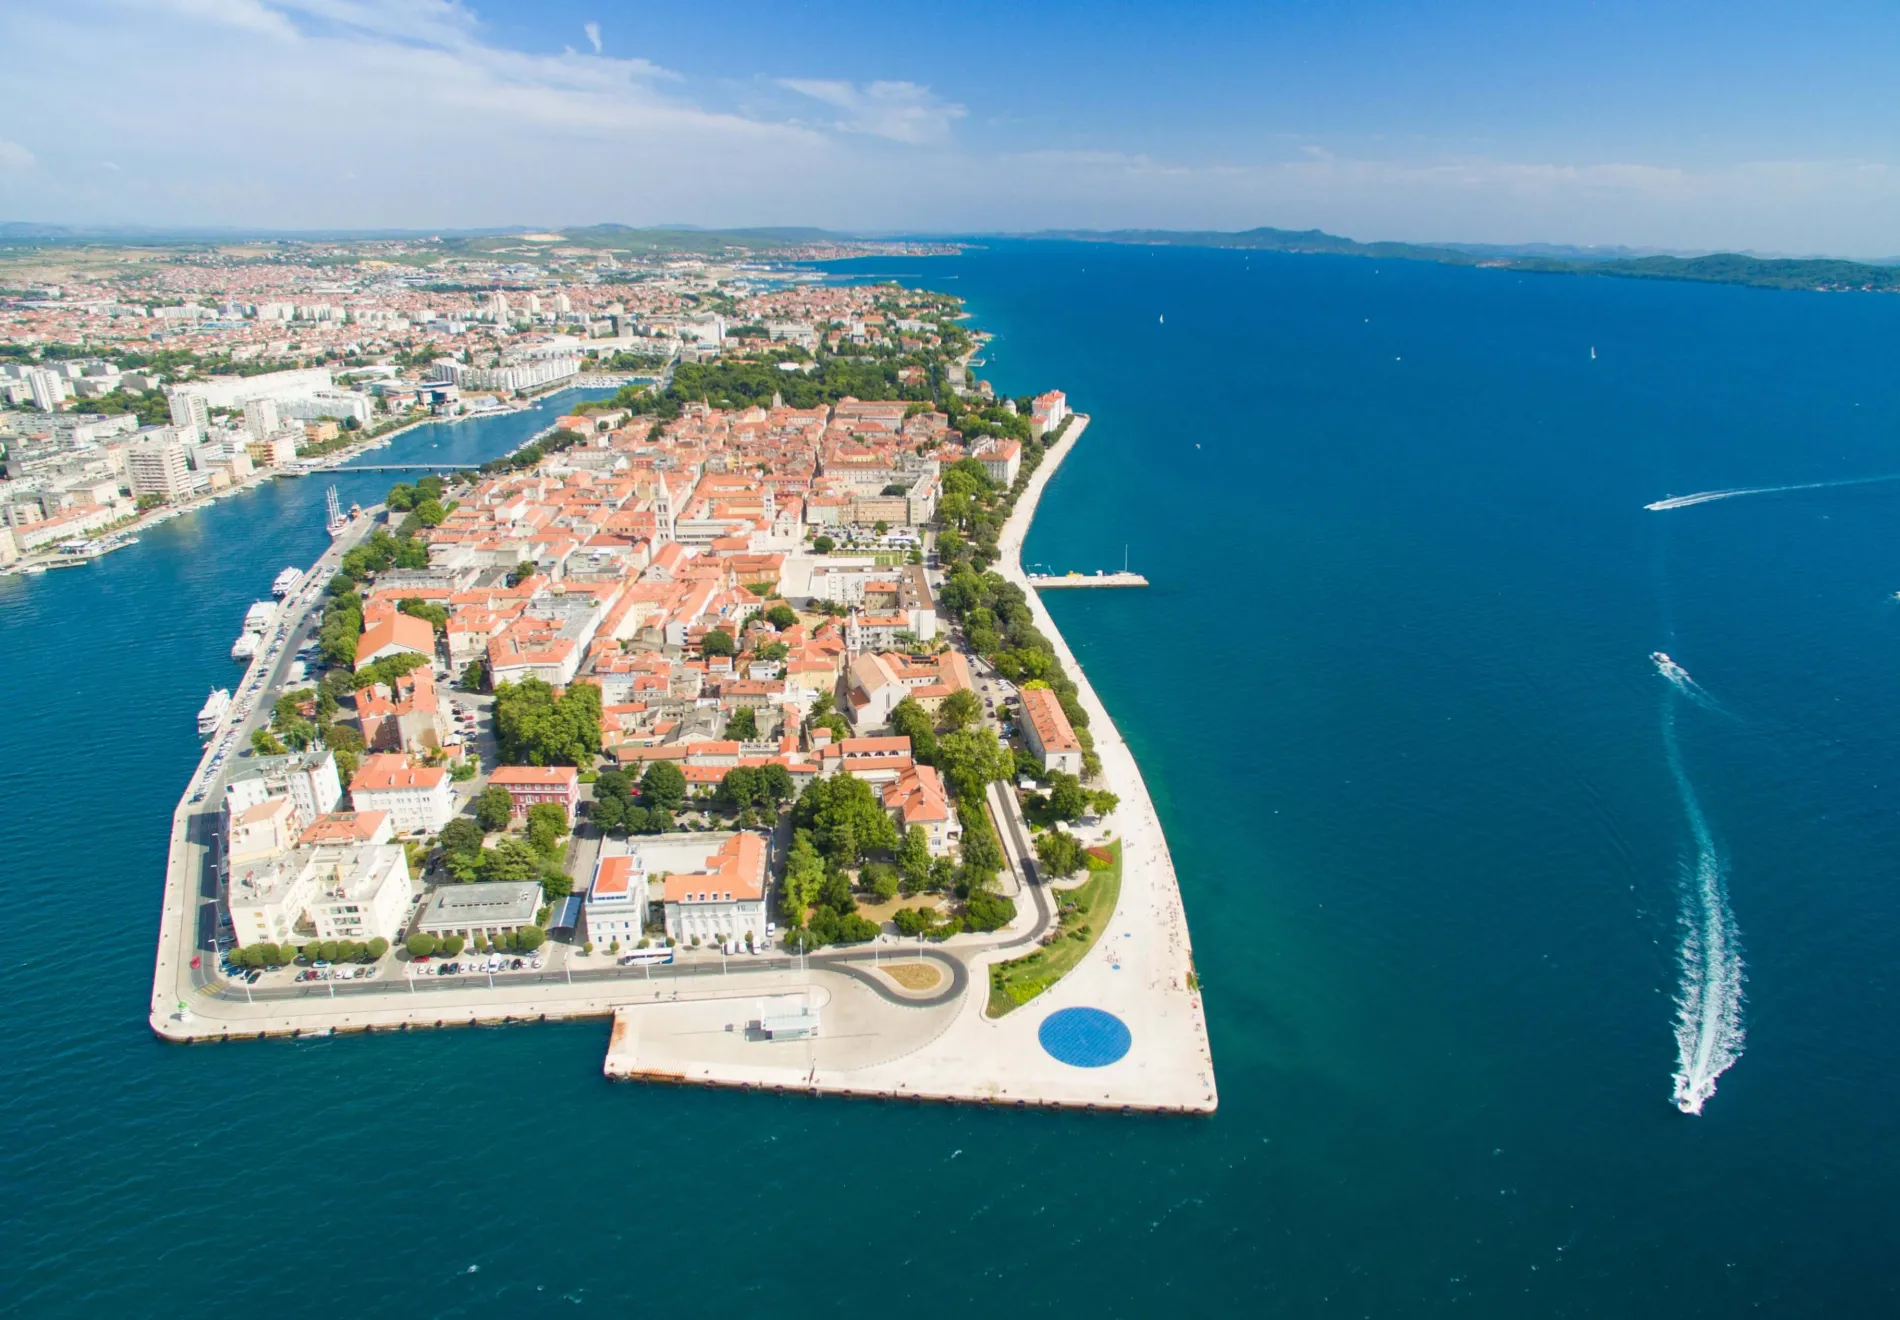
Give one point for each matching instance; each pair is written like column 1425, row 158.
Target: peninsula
column 724, row 711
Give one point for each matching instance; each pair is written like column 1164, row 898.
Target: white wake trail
column 1709, row 1030
column 1710, row 496
column 1679, row 679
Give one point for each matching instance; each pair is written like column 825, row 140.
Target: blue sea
column 1471, row 882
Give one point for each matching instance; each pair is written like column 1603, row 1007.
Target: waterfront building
column 616, row 905
column 1002, row 459
column 1047, row 730
column 158, row 467
column 531, row 785
column 724, row 901
column 487, row 910
column 417, row 797
column 260, row 831
column 331, row 892
column 1047, row 412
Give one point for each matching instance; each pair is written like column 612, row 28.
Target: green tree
column 913, row 858
column 511, row 859
column 1068, row 800
column 971, row 759
column 739, row 789
column 475, row 675
column 547, row 823
column 912, row 721
column 846, row 820
column 422, row 944
column 960, row 710
column 781, row 616
column 775, row 784
column 663, row 785
column 1060, row 853
column 264, row 744
column 494, row 808
column 452, row 945
column 717, row 642
column 881, row 879
column 430, row 513
column 743, row 726
column 824, row 545
column 804, row 872
column 984, row 910
column 531, row 938
column 535, row 727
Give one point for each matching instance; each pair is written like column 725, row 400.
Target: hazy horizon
column 1648, row 127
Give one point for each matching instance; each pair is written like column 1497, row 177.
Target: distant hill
column 1815, row 273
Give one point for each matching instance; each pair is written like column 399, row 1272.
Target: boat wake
column 1709, row 1030
column 1710, row 496
column 1680, row 680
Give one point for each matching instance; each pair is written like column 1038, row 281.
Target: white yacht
column 287, row 581
column 245, row 646
column 213, row 711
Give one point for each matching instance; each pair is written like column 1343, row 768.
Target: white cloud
column 593, row 34
column 899, row 111
column 14, row 158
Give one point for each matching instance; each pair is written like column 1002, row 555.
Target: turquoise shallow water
column 1391, row 693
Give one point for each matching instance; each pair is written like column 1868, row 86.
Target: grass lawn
column 914, row 976
column 1013, row 984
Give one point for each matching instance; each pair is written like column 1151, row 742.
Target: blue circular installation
column 1084, row 1037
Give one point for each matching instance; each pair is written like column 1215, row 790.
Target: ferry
column 212, row 714
column 245, row 646
column 260, row 616
column 287, row 581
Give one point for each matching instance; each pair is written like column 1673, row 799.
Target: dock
column 1046, row 581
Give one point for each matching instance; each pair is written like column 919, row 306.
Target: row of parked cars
column 476, row 966
column 325, row 972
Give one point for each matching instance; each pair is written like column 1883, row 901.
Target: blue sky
column 1772, row 128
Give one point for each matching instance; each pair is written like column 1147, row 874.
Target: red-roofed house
column 917, row 798
column 1047, row 730
column 399, row 634
column 530, row 785
column 417, row 797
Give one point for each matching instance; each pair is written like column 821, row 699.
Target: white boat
column 245, row 646
column 212, row 712
column 287, row 581
column 260, row 616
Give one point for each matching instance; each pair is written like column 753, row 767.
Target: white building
column 348, row 892
column 417, row 798
column 158, row 467
column 190, row 412
column 486, row 910
column 261, row 417
column 616, row 905
column 725, row 901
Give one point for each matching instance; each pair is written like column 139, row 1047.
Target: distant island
column 1814, row 274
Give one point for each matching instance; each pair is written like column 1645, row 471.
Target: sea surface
column 1477, row 893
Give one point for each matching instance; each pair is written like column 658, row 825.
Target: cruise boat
column 213, row 711
column 245, row 646
column 287, row 581
column 260, row 616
